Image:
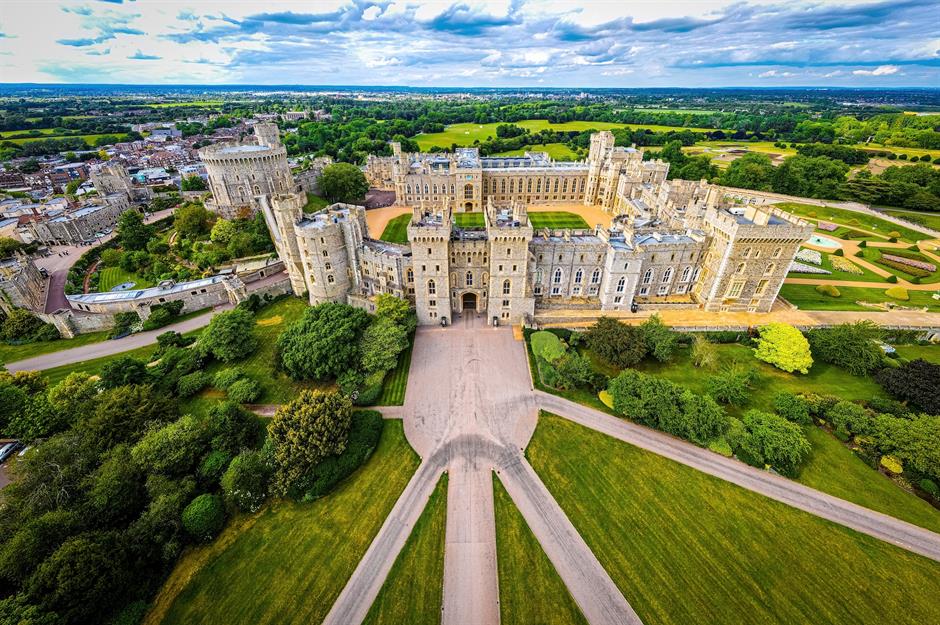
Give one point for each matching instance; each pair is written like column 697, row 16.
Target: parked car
column 8, row 449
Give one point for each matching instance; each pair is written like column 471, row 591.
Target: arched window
column 747, row 252
column 622, row 282
column 777, row 252
column 596, row 276
column 507, row 287
column 685, row 274
column 564, row 186
column 330, row 279
column 469, row 281
column 538, row 276
column 538, row 185
column 770, row 269
column 452, row 189
column 432, row 287
column 512, row 186
column 257, row 190
column 667, row 275
column 577, row 276
column 468, row 192
column 435, row 189
column 555, row 190
column 426, row 188
column 741, row 267
column 695, row 274
column 528, row 187
column 557, row 277
column 408, row 189
column 648, row 276
column 411, row 275
column 502, row 186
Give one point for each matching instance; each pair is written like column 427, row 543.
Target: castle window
column 512, row 186
column 747, row 252
column 761, row 287
column 777, row 252
column 582, row 185
column 685, row 274
column 741, row 268
column 330, row 279
column 435, row 189
column 328, row 266
column 621, row 283
column 648, row 276
column 408, row 189
column 426, row 188
column 696, row 273
column 596, row 276
column 540, row 258
column 507, row 287
column 429, row 251
column 564, row 186
column 577, row 276
column 557, row 278
column 757, row 254
column 505, row 303
column 770, row 269
column 734, row 291
column 508, row 251
column 667, row 275
column 468, row 192
column 411, row 275
column 469, row 278
column 582, row 258
column 556, row 186
column 502, row 186
column 618, row 299
column 538, row 289
column 528, row 187
column 451, row 189
column 326, row 253
column 432, row 303
column 538, row 276
column 663, row 290
column 432, row 287
column 538, row 185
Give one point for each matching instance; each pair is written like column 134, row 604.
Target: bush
column 828, row 289
column 212, row 467
column 850, row 419
column 721, row 446
column 892, row 279
column 204, row 517
column 930, row 487
column 246, row 480
column 916, row 383
column 704, row 353
column 226, row 377
column 898, row 293
column 659, row 338
column 370, row 389
column 792, row 408
column 244, row 391
column 784, row 347
column 364, row 434
column 619, row 344
column 163, row 314
column 230, row 335
column 848, row 345
column 547, row 346
column 731, row 386
column 770, row 439
column 892, row 465
column 894, row 234
column 606, row 399
column 191, row 383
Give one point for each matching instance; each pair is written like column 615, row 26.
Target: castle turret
column 429, row 235
column 281, row 213
column 267, row 135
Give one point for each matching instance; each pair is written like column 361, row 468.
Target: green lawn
column 557, row 151
column 42, row 131
column 851, row 218
column 396, row 231
column 805, row 296
column 396, row 380
column 930, row 353
column 530, row 590
column 12, row 353
column 288, row 563
column 678, row 111
column 873, row 255
column 110, row 277
column 413, row 591
column 832, row 470
column 867, row 275
column 931, row 220
column 315, row 203
column 469, row 220
column 94, row 366
column 89, row 139
column 688, row 548
column 556, row 220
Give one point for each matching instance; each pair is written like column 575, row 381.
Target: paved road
column 881, row 526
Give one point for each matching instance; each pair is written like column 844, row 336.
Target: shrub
column 828, row 289
column 620, row 344
column 840, row 263
column 204, row 517
column 766, row 438
column 916, row 383
column 364, row 434
column 898, row 293
column 731, row 386
column 704, row 353
column 892, row 279
column 848, row 345
column 547, row 346
column 659, row 338
column 894, row 234
column 606, row 399
column 370, row 389
column 721, row 446
column 850, row 418
column 244, row 391
column 226, row 377
column 212, row 467
column 892, row 465
column 230, row 335
column 191, row 383
column 929, row 486
column 784, row 347
column 792, row 408
column 246, row 480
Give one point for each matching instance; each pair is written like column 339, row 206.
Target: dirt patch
column 271, row 321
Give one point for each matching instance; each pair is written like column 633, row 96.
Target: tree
column 245, row 482
column 807, row 176
column 617, row 343
column 792, row 408
column 116, row 490
column 8, row 246
column 132, row 232
column 702, row 420
column 304, row 432
column 646, row 399
column 913, row 441
column 230, row 335
column 397, row 310
column 222, row 232
column 731, row 386
column 193, row 183
column 323, row 343
column 123, row 371
column 75, row 395
column 916, row 382
column 33, row 542
column 851, row 346
column 204, row 517
column 704, row 353
column 122, row 414
column 12, row 402
column 20, row 325
column 381, row 343
column 343, row 182
column 751, row 171
column 766, row 438
column 172, row 449
column 784, row 347
column 244, row 391
column 659, row 338
column 547, row 346
column 192, row 220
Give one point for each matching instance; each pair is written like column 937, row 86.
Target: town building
column 22, row 285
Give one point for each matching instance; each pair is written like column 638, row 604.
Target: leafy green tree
column 123, row 413
column 547, row 346
column 304, row 432
column 397, row 310
column 792, row 408
column 807, row 176
column 192, row 220
column 172, row 449
column 660, row 339
column 123, row 371
column 193, row 183
column 230, row 335
column 222, row 232
column 244, row 391
column 204, row 517
column 343, row 182
column 12, row 402
column 116, row 490
column 644, row 398
column 33, row 542
column 700, row 419
column 111, row 257
column 784, row 347
column 851, row 346
column 8, row 246
column 731, row 386
column 132, row 232
column 245, row 483
column 620, row 344
column 381, row 343
column 323, row 343
column 704, row 353
column 770, row 439
column 916, row 382
column 913, row 441
column 751, row 171
column 75, row 395
column 20, row 325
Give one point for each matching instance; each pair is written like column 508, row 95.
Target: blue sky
column 568, row 43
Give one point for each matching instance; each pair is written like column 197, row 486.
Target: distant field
column 90, row 139
column 12, row 133
column 679, row 111
column 557, row 151
column 556, row 220
column 204, row 103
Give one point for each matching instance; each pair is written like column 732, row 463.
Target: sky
column 499, row 43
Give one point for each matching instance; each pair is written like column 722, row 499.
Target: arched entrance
column 469, row 302
column 468, row 206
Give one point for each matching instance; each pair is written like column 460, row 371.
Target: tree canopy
column 343, row 182
column 784, row 347
column 323, row 343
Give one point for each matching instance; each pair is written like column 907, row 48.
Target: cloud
column 140, row 56
column 881, row 70
column 772, row 73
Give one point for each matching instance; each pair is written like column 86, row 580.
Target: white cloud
column 881, row 70
column 772, row 73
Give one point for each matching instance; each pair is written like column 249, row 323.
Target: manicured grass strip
column 851, row 218
column 832, row 470
column 315, row 203
column 805, row 296
column 110, row 277
column 413, row 592
column 12, row 353
column 930, row 353
column 396, row 230
column 469, row 220
column 931, row 220
column 687, row 548
column 530, row 590
column 291, row 564
column 557, row 220
column 396, row 380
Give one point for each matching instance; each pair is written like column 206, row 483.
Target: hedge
column 364, row 435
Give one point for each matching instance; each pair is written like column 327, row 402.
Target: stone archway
column 468, row 207
column 468, row 302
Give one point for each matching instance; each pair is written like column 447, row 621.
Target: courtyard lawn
column 110, row 277
column 867, row 275
column 315, row 203
column 396, row 380
column 396, row 231
column 844, row 475
column 852, row 218
column 288, row 563
column 12, row 353
column 805, row 296
column 556, row 220
column 530, row 590
column 413, row 591
column 469, row 220
column 557, row 151
column 688, row 548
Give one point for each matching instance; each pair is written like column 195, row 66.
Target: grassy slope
column 685, row 547
column 931, row 220
column 413, row 591
column 530, row 590
column 930, row 353
column 12, row 353
column 396, row 231
column 557, row 219
column 291, row 563
column 396, row 380
column 851, row 218
column 315, row 203
column 805, row 296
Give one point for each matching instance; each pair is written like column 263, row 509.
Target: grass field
column 413, row 591
column 196, row 103
column 396, row 231
column 931, row 220
column 12, row 353
column 556, row 220
column 557, row 151
column 89, row 139
column 469, row 220
column 530, row 590
column 873, row 255
column 930, row 353
column 42, row 131
column 805, row 296
column 110, row 277
column 679, row 111
column 287, row 563
column 396, row 380
column 315, row 203
column 852, row 218
column 687, row 548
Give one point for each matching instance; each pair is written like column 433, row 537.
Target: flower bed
column 904, row 268
column 796, row 267
column 828, row 226
column 809, row 256
column 917, row 264
column 841, row 264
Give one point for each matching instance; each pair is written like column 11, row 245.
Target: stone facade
column 21, row 285
column 112, row 178
column 671, row 243
column 241, row 173
column 84, row 225
column 309, row 179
